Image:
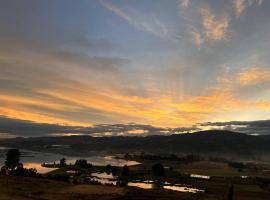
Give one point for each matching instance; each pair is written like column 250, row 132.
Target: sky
column 134, row 65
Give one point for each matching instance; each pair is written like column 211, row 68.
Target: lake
column 149, row 184
column 32, row 159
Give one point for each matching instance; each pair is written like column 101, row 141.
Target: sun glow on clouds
column 138, row 131
column 242, row 5
column 254, row 75
column 152, row 110
column 127, row 69
column 215, row 28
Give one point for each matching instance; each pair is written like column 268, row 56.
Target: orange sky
column 165, row 63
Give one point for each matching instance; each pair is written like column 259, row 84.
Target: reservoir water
column 32, row 159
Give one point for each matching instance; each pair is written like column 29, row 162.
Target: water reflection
column 38, row 167
column 102, row 161
column 199, row 176
column 103, row 178
column 165, row 185
column 141, row 185
column 33, row 159
column 182, row 189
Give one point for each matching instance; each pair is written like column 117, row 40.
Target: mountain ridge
column 202, row 142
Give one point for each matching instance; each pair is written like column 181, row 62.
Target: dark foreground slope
column 26, row 188
column 205, row 142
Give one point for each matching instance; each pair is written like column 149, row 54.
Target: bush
column 158, row 169
column 63, row 162
column 238, row 165
column 83, row 164
column 59, row 177
column 125, row 171
column 114, row 170
column 20, row 171
column 12, row 158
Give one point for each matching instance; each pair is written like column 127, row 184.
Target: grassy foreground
column 25, row 188
column 22, row 188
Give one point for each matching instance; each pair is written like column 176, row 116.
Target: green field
column 209, row 168
column 217, row 187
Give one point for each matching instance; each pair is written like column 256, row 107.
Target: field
column 61, row 184
column 210, row 168
column 24, row 188
column 256, row 186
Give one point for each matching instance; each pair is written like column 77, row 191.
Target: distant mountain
column 204, row 142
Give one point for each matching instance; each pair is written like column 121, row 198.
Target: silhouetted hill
column 209, row 142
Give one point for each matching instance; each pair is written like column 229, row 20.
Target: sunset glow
column 170, row 63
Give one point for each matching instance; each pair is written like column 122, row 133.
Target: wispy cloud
column 150, row 23
column 215, row 28
column 184, row 3
column 197, row 36
column 241, row 5
column 259, row 2
column 209, row 23
column 253, row 76
column 207, row 26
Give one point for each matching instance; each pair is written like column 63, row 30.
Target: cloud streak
column 147, row 23
column 242, row 5
column 15, row 127
column 198, row 38
column 259, row 127
column 254, row 76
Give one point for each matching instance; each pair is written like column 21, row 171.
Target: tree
column 82, row 163
column 231, row 191
column 63, row 162
column 12, row 159
column 108, row 167
column 158, row 169
column 114, row 170
column 125, row 171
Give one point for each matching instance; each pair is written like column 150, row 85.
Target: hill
column 203, row 142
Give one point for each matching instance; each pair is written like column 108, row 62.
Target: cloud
column 214, row 22
column 147, row 23
column 259, row 2
column 10, row 127
column 198, row 38
column 184, row 3
column 241, row 5
column 258, row 127
column 72, row 88
column 215, row 28
column 81, row 90
column 18, row 127
column 254, row 76
column 206, row 26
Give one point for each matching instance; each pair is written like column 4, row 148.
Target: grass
column 22, row 188
column 206, row 168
